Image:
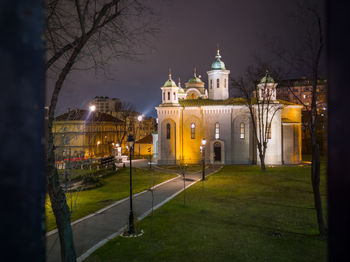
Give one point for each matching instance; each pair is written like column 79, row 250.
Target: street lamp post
column 92, row 109
column 131, row 229
column 203, row 152
column 140, row 118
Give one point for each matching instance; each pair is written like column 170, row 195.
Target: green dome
column 194, row 79
column 169, row 83
column 181, row 90
column 218, row 64
column 267, row 79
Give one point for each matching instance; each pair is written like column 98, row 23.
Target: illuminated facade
column 80, row 134
column 186, row 116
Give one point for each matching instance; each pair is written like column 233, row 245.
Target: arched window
column 168, row 95
column 211, row 83
column 168, row 131
column 268, row 131
column 193, row 131
column 242, row 130
column 217, row 130
column 217, row 82
column 163, row 96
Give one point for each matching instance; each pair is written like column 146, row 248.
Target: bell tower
column 170, row 91
column 218, row 79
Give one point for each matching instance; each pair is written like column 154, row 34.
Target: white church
column 188, row 115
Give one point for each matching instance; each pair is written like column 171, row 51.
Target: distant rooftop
column 86, row 115
column 146, row 140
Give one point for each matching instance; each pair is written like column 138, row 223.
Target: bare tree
column 260, row 103
column 85, row 32
column 308, row 59
column 126, row 114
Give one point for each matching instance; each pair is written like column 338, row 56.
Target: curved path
column 96, row 229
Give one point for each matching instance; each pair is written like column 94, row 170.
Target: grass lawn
column 114, row 187
column 240, row 214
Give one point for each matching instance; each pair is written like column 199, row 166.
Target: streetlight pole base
column 135, row 234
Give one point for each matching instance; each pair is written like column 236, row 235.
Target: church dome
column 169, row 82
column 218, row 64
column 267, row 79
column 194, row 79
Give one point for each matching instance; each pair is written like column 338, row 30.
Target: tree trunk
column 315, row 178
column 262, row 162
column 59, row 205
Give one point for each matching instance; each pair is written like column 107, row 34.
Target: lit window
column 193, row 131
column 211, row 83
column 217, row 130
column 168, row 131
column 268, row 134
column 168, row 95
column 217, row 82
column 242, row 128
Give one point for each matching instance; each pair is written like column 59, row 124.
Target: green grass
column 240, row 214
column 114, row 187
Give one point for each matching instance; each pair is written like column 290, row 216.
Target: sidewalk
column 94, row 231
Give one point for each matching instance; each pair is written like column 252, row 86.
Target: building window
column 242, row 132
column 268, row 131
column 168, row 131
column 163, row 96
column 211, row 83
column 174, row 96
column 217, row 130
column 193, row 131
column 217, row 83
column 168, row 95
column 225, row 83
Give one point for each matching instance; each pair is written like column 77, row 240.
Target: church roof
column 169, row 82
column 218, row 64
column 181, row 90
column 210, row 102
column 267, row 79
column 230, row 101
column 194, row 79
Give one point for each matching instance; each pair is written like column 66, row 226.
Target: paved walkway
column 93, row 231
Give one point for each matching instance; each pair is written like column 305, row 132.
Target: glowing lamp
column 130, row 141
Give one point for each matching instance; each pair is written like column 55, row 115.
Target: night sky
column 189, row 33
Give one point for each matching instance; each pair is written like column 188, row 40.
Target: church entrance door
column 217, row 151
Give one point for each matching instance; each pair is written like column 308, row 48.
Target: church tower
column 267, row 88
column 218, row 79
column 170, row 91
